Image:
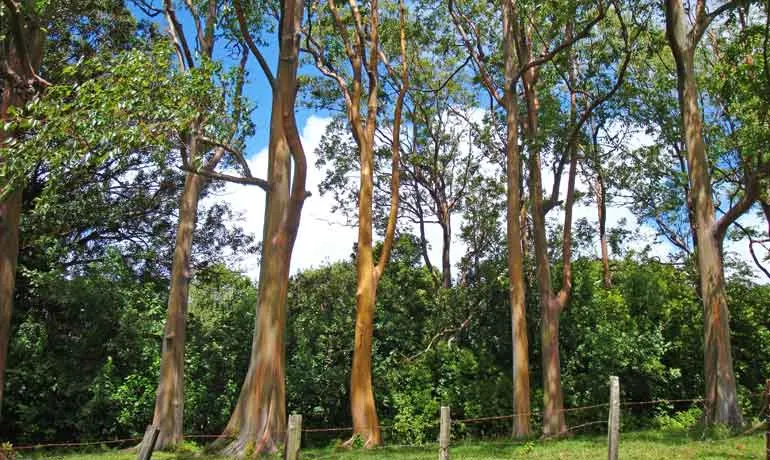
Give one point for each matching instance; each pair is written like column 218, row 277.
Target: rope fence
column 445, row 424
column 76, row 444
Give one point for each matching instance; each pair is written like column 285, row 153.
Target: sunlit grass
column 643, row 445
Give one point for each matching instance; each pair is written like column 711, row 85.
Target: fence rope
column 458, row 421
column 75, row 444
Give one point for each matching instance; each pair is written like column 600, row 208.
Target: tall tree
column 359, row 32
column 22, row 49
column 196, row 148
column 590, row 82
column 524, row 34
column 439, row 163
column 507, row 98
column 721, row 400
column 259, row 417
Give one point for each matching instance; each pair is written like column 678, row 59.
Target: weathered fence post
column 293, row 437
column 614, row 419
column 767, row 420
column 148, row 443
column 443, row 437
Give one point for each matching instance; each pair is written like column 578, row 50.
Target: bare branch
column 704, row 19
column 177, row 33
column 473, row 53
column 548, row 55
column 261, row 183
column 250, row 43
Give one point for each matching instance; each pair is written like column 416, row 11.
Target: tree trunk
column 365, row 421
column 14, row 94
column 516, row 290
column 721, row 401
column 553, row 414
column 10, row 212
column 553, row 399
column 169, row 402
column 601, row 207
column 446, row 243
column 259, row 418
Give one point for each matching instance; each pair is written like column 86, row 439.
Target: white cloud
column 320, row 239
column 615, row 212
column 323, row 236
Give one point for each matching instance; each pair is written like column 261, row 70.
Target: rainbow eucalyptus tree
column 258, row 420
column 358, row 28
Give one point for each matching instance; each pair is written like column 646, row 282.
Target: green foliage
column 222, row 302
column 643, row 329
column 679, row 421
column 88, row 337
column 94, row 341
column 120, row 104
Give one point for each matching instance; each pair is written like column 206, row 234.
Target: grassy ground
column 645, row 445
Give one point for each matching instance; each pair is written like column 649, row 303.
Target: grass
column 643, row 445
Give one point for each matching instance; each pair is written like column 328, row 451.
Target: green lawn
column 639, row 445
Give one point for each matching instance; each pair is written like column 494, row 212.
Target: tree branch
column 244, row 28
column 177, row 34
column 261, row 183
column 390, row 231
column 738, row 209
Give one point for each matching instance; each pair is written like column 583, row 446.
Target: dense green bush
column 85, row 348
column 85, row 353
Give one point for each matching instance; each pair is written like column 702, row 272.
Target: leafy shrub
column 679, row 421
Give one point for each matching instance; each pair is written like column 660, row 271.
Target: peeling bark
column 517, row 289
column 24, row 56
column 721, row 401
column 258, row 421
column 169, row 402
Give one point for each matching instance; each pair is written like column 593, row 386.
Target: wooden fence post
column 148, row 443
column 767, row 420
column 294, row 437
column 614, row 419
column 443, row 438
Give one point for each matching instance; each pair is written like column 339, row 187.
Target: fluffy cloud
column 324, row 237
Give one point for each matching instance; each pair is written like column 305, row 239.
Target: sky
column 323, row 236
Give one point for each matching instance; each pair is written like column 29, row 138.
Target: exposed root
column 371, row 441
column 247, row 444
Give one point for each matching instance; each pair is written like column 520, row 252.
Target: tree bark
column 363, row 411
column 516, row 290
column 365, row 421
column 551, row 304
column 24, row 55
column 259, row 417
column 446, row 243
column 553, row 414
column 601, row 207
column 10, row 213
column 169, row 402
column 721, row 401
